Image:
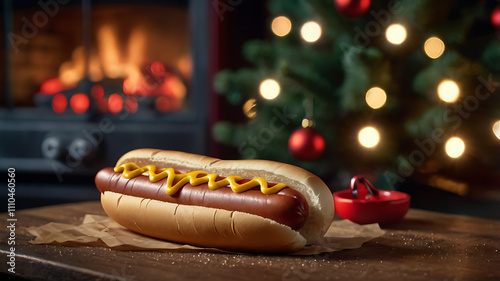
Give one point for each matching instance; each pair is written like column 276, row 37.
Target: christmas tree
column 393, row 87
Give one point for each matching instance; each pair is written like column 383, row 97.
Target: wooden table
column 424, row 246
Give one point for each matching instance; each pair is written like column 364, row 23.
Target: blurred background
column 404, row 92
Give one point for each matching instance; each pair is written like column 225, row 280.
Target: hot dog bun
column 212, row 227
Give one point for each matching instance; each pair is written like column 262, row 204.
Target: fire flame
column 108, row 60
column 109, row 52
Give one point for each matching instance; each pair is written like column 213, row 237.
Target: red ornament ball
column 306, row 144
column 352, row 8
column 495, row 18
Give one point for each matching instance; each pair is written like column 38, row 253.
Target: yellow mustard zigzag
column 131, row 170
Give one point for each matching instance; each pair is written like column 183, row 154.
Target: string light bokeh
column 434, row 47
column 369, row 137
column 396, row 34
column 455, row 147
column 310, row 31
column 496, row 129
column 249, row 108
column 375, row 97
column 269, row 89
column 448, row 91
column 281, row 26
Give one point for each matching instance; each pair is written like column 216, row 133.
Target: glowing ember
column 51, row 87
column 174, row 87
column 163, row 104
column 131, row 105
column 115, row 103
column 185, row 66
column 130, row 86
column 121, row 65
column 97, row 92
column 59, row 103
column 79, row 103
column 158, row 69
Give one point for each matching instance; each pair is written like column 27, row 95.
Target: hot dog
column 242, row 205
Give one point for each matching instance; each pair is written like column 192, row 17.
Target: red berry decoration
column 352, row 8
column 306, row 144
column 495, row 18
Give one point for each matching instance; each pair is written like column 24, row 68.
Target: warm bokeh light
column 496, row 129
column 95, row 70
column 269, row 89
column 109, row 51
column 434, row 47
column 249, row 108
column 448, row 91
column 455, row 147
column 368, row 137
column 185, row 66
column 79, row 103
column 131, row 105
column 158, row 69
column 131, row 84
column 396, row 34
column 51, row 87
column 163, row 104
column 310, row 31
column 281, row 26
column 174, row 87
column 97, row 92
column 376, row 97
column 307, row 123
column 59, row 103
column 115, row 103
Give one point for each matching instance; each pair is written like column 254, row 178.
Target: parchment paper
column 102, row 231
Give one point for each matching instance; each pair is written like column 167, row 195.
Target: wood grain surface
column 424, row 246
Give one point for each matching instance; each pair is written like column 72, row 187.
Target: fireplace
column 84, row 81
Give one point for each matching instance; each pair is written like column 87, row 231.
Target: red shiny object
column 306, row 144
column 352, row 8
column 59, row 103
column 115, row 103
column 363, row 203
column 79, row 103
column 51, row 87
column 495, row 18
